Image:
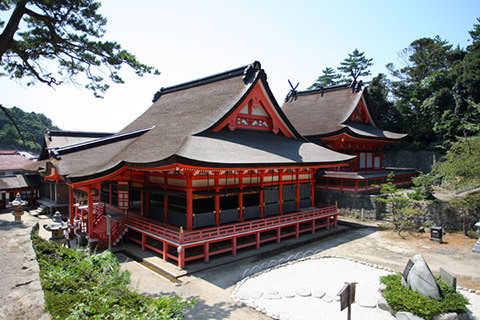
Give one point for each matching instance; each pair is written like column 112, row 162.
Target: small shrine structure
column 213, row 166
column 339, row 119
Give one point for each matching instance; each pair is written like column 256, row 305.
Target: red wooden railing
column 174, row 235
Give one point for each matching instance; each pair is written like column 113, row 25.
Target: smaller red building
column 338, row 118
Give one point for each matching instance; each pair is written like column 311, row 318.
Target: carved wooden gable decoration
column 255, row 112
column 361, row 114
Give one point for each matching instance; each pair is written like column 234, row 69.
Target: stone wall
column 364, row 206
column 419, row 160
column 357, row 205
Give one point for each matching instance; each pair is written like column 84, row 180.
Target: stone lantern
column 56, row 227
column 477, row 245
column 17, row 205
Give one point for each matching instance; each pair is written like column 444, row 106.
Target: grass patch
column 401, row 298
column 80, row 286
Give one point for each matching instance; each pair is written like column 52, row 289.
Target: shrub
column 80, row 286
column 401, row 298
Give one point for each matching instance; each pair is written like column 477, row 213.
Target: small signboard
column 347, row 297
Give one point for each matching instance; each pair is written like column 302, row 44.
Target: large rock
column 420, row 278
column 403, row 315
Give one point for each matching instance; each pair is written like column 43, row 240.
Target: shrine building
column 213, row 166
column 339, row 119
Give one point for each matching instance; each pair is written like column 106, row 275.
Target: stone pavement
column 20, row 290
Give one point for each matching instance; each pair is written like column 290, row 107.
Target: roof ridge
column 57, row 152
column 325, row 89
column 86, row 134
column 205, row 80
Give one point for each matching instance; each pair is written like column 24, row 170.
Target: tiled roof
column 12, row 160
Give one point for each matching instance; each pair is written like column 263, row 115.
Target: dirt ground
column 454, row 246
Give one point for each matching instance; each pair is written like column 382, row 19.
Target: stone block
column 449, row 278
column 446, row 316
column 421, row 279
column 402, row 315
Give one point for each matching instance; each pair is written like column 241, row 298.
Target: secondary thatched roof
column 325, row 112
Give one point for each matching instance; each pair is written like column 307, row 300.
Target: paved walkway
column 20, row 290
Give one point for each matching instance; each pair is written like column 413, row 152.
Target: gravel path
column 308, row 290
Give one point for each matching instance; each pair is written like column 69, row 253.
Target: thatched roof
column 177, row 128
column 325, row 112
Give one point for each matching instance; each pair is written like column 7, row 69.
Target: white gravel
column 308, row 290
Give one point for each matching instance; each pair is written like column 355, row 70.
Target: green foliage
column 32, row 125
column 424, row 185
column 469, row 209
column 402, row 211
column 68, row 33
column 356, row 64
column 401, row 298
column 79, row 286
column 382, row 109
column 327, row 79
column 437, row 91
column 460, row 169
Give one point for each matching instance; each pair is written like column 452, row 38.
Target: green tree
column 327, row 79
column 400, row 207
column 382, row 108
column 42, row 34
column 433, row 93
column 460, row 170
column 355, row 65
column 32, row 127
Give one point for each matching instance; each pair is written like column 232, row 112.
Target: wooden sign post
column 347, row 297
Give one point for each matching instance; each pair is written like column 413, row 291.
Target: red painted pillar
column 165, row 197
column 278, row 235
column 147, row 203
column 257, row 240
column 110, row 193
column 312, row 180
column 90, row 213
column 217, row 200
column 165, row 251
column 297, row 178
column 234, row 246
column 313, row 226
column 261, row 194
column 280, row 192
column 189, row 202
column 144, row 241
column 297, row 230
column 142, row 203
column 70, row 204
column 240, row 196
column 31, row 197
column 206, row 252
column 181, row 257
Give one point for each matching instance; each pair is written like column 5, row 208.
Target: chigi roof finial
column 250, row 70
column 293, row 92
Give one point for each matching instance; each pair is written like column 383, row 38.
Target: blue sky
column 293, row 40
